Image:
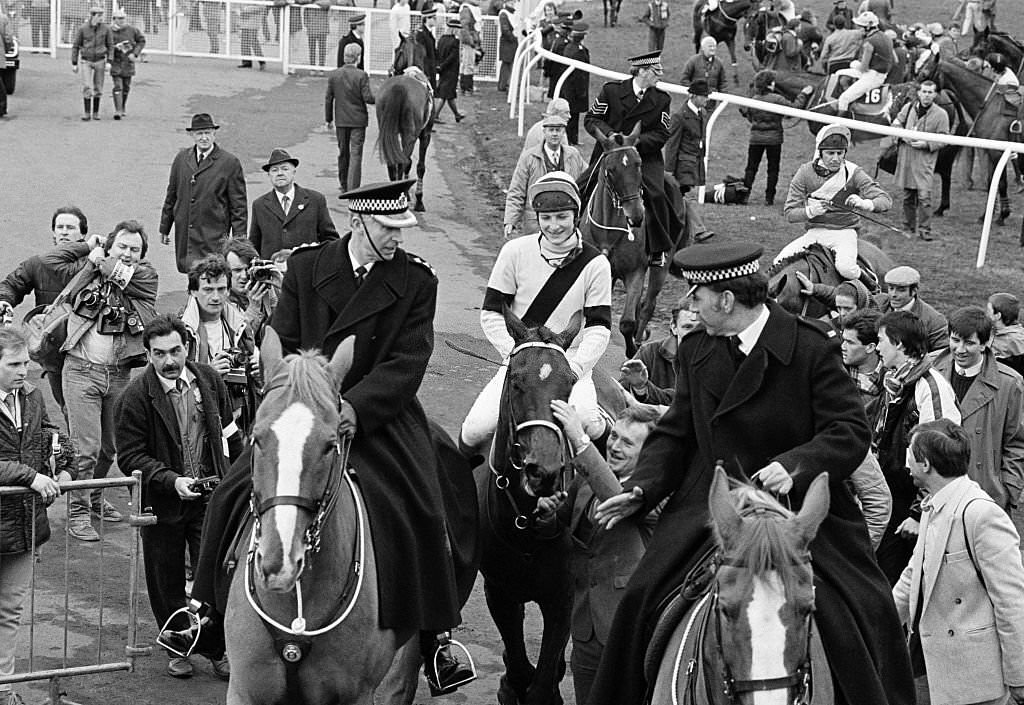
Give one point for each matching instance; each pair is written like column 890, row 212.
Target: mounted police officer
column 365, row 285
column 621, row 106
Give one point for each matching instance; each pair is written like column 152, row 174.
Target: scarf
column 557, row 255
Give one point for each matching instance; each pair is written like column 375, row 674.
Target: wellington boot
column 118, row 106
column 86, row 109
column 96, row 108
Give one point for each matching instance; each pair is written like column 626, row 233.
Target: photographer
column 217, row 333
column 254, row 284
column 174, row 424
column 113, row 297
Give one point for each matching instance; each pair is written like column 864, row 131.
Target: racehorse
column 990, row 41
column 720, row 23
column 611, row 11
column 614, row 224
column 752, row 638
column 818, row 265
column 288, row 638
column 404, row 117
column 524, row 560
column 757, row 28
column 993, row 115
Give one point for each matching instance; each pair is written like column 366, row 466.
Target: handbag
column 888, row 158
column 46, row 327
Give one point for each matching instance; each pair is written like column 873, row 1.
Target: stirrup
column 195, row 623
column 450, row 687
column 1016, row 127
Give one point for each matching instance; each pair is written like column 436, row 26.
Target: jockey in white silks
column 876, row 61
column 826, row 194
column 527, row 272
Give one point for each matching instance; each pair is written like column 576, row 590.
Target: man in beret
column 751, row 360
column 289, row 215
column 205, row 201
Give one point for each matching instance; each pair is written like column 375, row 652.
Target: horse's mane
column 308, row 381
column 763, row 543
column 786, row 261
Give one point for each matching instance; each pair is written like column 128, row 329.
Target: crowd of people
column 915, row 415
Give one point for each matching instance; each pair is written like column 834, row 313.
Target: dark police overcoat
column 789, row 401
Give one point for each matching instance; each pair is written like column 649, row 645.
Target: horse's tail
column 396, row 122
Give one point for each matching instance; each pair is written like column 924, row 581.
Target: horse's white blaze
column 292, row 429
column 625, row 160
column 545, row 371
column 768, row 637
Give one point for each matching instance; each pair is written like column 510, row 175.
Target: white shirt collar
column 171, row 384
column 693, row 108
column 749, row 335
column 940, row 499
column 909, row 305
column 636, row 87
column 553, row 154
column 356, row 264
column 972, row 371
column 290, row 194
column 200, row 152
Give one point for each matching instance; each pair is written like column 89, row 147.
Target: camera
column 89, row 303
column 262, row 270
column 112, row 320
column 239, row 361
column 205, row 485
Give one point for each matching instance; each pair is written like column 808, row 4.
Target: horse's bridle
column 320, row 509
column 617, row 200
column 502, row 480
column 732, row 688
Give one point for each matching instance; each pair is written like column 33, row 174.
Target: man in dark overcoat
column 366, row 285
column 448, row 71
column 424, row 36
column 508, row 42
column 765, row 392
column 356, row 24
column 555, row 69
column 621, row 106
column 289, row 215
column 205, row 201
column 684, row 153
column 576, row 88
column 172, row 421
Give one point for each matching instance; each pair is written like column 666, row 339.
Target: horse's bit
column 501, row 480
column 320, row 509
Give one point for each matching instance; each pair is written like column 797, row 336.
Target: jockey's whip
column 470, row 353
column 846, row 209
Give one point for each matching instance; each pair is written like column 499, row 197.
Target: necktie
column 180, row 409
column 640, row 95
column 202, row 156
column 734, row 350
column 11, row 403
column 285, row 202
column 360, row 275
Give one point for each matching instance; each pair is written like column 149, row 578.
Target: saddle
column 1013, row 107
column 874, row 103
column 822, row 261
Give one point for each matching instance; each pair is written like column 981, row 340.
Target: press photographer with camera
column 218, row 334
column 112, row 296
column 175, row 425
column 255, row 284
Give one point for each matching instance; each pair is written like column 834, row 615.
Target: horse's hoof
column 939, row 212
column 506, row 695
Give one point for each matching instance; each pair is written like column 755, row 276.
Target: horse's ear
column 516, row 328
column 569, row 333
column 633, row 137
column 814, row 509
column 270, row 352
column 602, row 138
column 341, row 361
column 726, row 519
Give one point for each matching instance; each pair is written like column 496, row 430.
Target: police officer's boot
column 444, row 670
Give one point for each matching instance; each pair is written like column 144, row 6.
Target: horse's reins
column 617, row 200
column 501, row 480
column 321, row 509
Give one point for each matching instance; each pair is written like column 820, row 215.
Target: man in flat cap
column 367, row 286
column 621, row 106
column 289, row 215
column 902, row 285
column 205, row 202
column 736, row 375
column 92, row 50
column 356, row 25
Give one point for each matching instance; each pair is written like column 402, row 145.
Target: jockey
column 546, row 279
column 826, row 194
column 1004, row 75
column 876, row 61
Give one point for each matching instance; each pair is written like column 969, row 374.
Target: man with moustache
column 205, row 201
column 290, row 215
column 172, row 424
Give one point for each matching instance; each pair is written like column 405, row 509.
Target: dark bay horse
column 984, row 102
column 818, row 265
column 614, row 222
column 757, row 28
column 405, row 118
column 522, row 559
column 721, row 24
column 754, row 631
column 311, row 533
column 991, row 41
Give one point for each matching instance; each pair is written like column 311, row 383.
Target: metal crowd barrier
column 108, row 658
column 531, row 51
column 296, row 36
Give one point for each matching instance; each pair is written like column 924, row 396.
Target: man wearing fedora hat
column 356, row 27
column 289, row 215
column 577, row 86
column 552, row 154
column 205, row 201
column 367, row 286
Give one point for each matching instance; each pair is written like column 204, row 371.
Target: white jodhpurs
column 842, row 242
column 482, row 418
column 867, row 81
